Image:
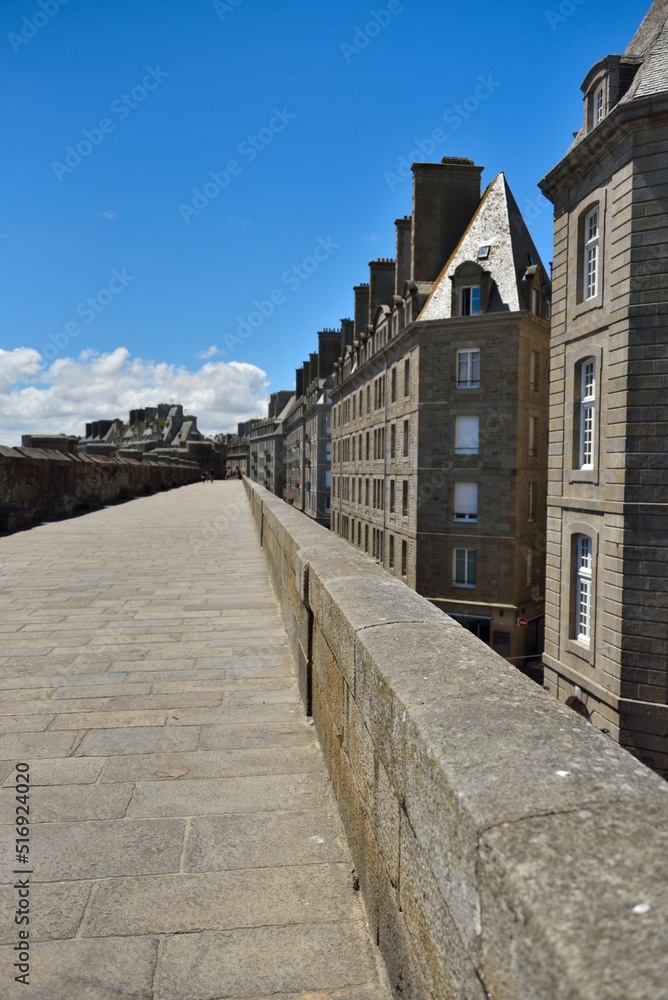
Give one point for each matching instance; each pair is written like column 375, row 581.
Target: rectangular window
column 531, row 502
column 352, row 492
column 465, row 567
column 366, row 493
column 407, row 437
column 404, row 558
column 368, row 446
column 591, row 244
column 468, row 369
column 466, row 501
column 391, row 496
column 366, row 537
column 393, row 441
column 467, row 435
column 469, row 300
column 532, row 436
column 404, row 498
column 368, row 399
column 391, row 552
column 394, row 385
column 534, row 371
column 583, row 589
column 598, row 106
column 407, row 377
column 587, row 413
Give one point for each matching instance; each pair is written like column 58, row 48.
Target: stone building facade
column 266, row 457
column 308, row 429
column 606, row 650
column 440, row 409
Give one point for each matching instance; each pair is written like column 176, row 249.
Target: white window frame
column 467, row 560
column 467, row 443
column 469, row 300
column 591, row 256
column 466, row 501
column 598, row 105
column 583, row 588
column 468, row 364
column 587, row 412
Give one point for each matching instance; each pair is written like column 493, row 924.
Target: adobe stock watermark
column 31, row 26
column 87, row 310
column 249, row 149
column 292, row 279
column 225, row 7
column 363, row 36
column 565, row 10
column 454, row 117
column 122, row 107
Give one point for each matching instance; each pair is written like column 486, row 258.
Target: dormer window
column 469, row 300
column 597, row 109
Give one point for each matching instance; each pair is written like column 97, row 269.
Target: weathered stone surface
column 213, row 764
column 268, row 734
column 260, row 840
column 58, row 908
column 103, row 969
column 102, row 849
column 147, row 739
column 183, row 903
column 248, row 963
column 212, row 796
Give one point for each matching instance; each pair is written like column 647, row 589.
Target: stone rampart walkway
column 184, row 842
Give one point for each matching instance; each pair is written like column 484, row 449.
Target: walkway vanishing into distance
column 185, row 843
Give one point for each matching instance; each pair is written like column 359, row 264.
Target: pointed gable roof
column 497, row 224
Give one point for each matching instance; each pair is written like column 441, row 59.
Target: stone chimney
column 403, row 269
column 361, row 309
column 445, row 196
column 347, row 333
column 299, row 382
column 329, row 351
column 381, row 284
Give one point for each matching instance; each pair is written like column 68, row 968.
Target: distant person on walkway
column 202, row 476
column 211, row 475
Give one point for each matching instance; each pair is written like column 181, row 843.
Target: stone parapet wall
column 35, row 484
column 505, row 848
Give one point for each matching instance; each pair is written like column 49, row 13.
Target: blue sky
column 213, row 146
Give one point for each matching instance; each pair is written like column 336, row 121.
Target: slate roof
column 650, row 42
column 497, row 223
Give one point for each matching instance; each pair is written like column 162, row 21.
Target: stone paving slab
column 184, row 840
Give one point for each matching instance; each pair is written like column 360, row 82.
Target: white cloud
column 210, row 352
column 60, row 398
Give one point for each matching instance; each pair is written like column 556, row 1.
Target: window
column 366, row 493
column 598, row 106
column 587, row 413
column 469, row 300
column 583, row 588
column 391, row 496
column 394, row 384
column 468, row 369
column 532, row 436
column 393, row 441
column 407, row 377
column 407, row 437
column 366, row 536
column 591, row 255
column 467, row 433
column 368, row 400
column 531, row 502
column 391, row 552
column 368, row 446
column 534, row 370
column 466, row 501
column 483, row 252
column 404, row 558
column 404, row 498
column 465, row 567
